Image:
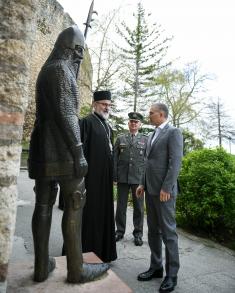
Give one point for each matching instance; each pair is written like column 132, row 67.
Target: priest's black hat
column 135, row 116
column 102, row 95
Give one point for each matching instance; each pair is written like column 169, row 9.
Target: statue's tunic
column 98, row 228
column 56, row 131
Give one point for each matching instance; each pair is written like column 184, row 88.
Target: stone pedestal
column 20, row 279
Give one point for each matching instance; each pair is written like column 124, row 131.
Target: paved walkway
column 206, row 267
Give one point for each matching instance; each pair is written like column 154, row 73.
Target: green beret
column 135, row 116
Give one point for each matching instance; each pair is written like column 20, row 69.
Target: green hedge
column 207, row 197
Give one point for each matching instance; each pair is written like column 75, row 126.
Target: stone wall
column 28, row 29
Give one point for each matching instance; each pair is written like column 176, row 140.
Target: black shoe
column 168, row 284
column 138, row 241
column 151, row 273
column 118, row 237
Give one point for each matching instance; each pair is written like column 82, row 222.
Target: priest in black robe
column 98, row 228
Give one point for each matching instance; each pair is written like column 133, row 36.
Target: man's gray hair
column 162, row 107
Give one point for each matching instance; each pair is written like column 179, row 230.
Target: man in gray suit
column 163, row 160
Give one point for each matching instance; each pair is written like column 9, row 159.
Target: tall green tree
column 142, row 54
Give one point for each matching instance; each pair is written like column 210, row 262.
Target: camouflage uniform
column 128, row 168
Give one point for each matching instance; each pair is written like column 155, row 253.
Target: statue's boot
column 41, row 225
column 41, row 275
column 78, row 272
column 90, row 272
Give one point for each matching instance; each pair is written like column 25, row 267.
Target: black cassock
column 98, row 228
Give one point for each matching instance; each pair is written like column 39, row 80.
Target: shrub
column 207, row 198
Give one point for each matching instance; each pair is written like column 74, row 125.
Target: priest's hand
column 81, row 166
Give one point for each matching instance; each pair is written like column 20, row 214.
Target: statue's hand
column 81, row 166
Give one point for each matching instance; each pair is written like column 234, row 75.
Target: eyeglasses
column 104, row 104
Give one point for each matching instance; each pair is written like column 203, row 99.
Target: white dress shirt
column 158, row 130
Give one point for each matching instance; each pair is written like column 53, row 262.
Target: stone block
column 20, row 279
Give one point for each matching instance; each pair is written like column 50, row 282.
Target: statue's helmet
column 70, row 38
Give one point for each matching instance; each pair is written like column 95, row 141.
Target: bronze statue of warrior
column 56, row 157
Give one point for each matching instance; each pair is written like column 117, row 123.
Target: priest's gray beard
column 105, row 115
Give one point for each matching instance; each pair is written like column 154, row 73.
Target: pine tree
column 142, row 58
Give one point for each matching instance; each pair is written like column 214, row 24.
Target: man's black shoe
column 118, row 237
column 168, row 284
column 151, row 273
column 138, row 241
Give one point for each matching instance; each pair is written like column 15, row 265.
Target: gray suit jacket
column 163, row 161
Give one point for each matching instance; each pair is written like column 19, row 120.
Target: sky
column 203, row 30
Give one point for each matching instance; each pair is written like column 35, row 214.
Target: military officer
column 128, row 167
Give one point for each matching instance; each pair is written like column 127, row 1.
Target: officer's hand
column 81, row 166
column 139, row 191
column 164, row 196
